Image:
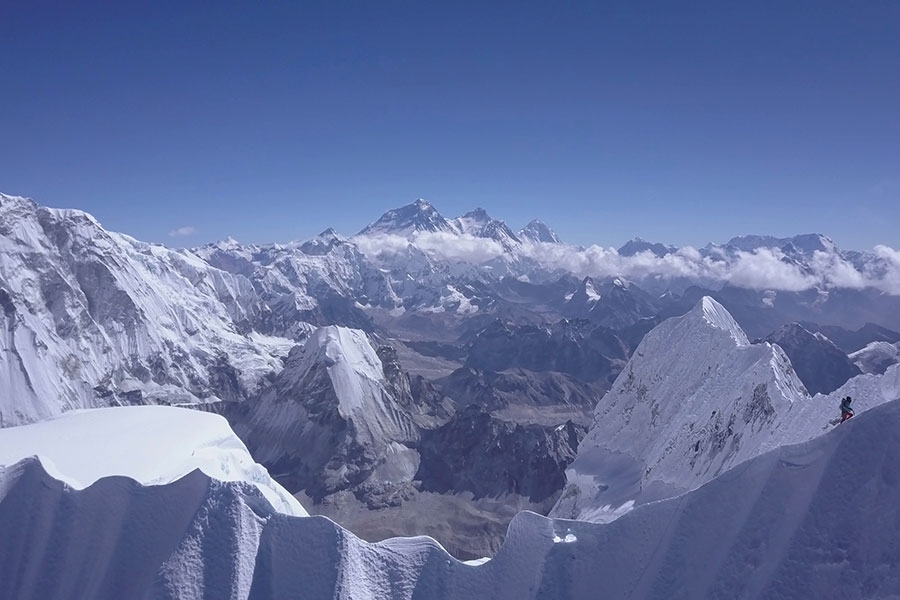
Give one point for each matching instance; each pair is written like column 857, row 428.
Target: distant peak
column 637, row 245
column 228, row 243
column 409, row 219
column 538, row 231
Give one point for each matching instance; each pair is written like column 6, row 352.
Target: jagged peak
column 419, row 216
column 478, row 213
column 9, row 201
column 538, row 231
column 345, row 348
column 716, row 315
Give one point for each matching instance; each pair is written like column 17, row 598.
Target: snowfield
column 780, row 525
column 153, row 445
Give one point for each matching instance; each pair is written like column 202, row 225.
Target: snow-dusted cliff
column 696, row 399
column 93, row 318
column 330, row 419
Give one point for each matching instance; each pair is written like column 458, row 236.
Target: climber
column 846, row 410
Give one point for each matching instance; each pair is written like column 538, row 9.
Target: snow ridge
column 694, row 400
column 757, row 532
column 154, row 445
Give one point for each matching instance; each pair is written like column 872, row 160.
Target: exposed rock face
column 613, row 303
column 339, row 417
column 489, row 457
column 852, row 341
column 638, row 245
column 94, row 318
column 524, row 396
column 820, row 365
column 579, row 348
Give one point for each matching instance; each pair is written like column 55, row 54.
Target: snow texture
column 93, row 318
column 696, row 399
column 154, row 445
column 814, row 520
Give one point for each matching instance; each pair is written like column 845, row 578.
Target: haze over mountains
column 435, row 376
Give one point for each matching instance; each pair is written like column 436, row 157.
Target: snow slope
column 94, row 318
column 775, row 527
column 329, row 419
column 694, row 400
column 154, row 445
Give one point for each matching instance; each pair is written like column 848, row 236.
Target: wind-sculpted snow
column 696, row 399
column 150, row 444
column 815, row 520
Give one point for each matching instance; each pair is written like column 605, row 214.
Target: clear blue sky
column 680, row 122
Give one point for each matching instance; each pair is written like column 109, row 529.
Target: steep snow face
column 407, row 220
column 695, row 399
column 538, row 232
column 329, row 419
column 776, row 527
column 93, row 318
column 355, row 371
column 478, row 223
column 323, row 281
column 154, row 445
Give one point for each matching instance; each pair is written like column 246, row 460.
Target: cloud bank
column 761, row 269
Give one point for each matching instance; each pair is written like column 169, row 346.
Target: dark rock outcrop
column 487, row 456
column 819, row 363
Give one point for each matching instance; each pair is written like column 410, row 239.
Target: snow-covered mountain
column 775, row 527
column 696, row 399
column 479, row 224
column 413, row 218
column 539, row 232
column 332, row 420
column 93, row 318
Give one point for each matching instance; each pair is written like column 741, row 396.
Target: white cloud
column 183, row 231
column 445, row 245
column 762, row 269
column 766, row 268
column 887, row 277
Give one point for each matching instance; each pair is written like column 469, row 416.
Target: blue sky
column 678, row 122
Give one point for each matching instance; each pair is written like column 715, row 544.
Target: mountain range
column 373, row 374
